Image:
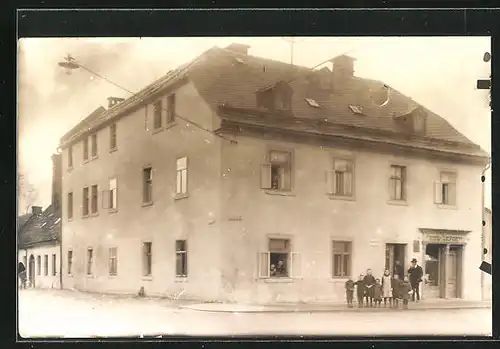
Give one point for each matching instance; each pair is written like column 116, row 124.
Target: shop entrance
column 443, row 271
column 395, row 259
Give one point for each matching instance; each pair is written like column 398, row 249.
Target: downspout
column 482, row 225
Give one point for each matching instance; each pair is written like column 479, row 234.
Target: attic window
column 356, row 109
column 312, row 102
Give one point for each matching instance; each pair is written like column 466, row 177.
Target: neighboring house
column 238, row 178
column 488, row 245
column 39, row 235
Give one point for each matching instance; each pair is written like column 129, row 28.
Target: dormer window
column 312, row 102
column 278, row 96
column 413, row 122
column 356, row 110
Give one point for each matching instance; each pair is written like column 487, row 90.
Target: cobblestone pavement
column 80, row 315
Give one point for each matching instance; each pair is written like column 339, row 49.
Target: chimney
column 56, row 181
column 112, row 101
column 343, row 70
column 238, row 48
column 36, row 210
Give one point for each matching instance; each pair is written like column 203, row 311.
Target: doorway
column 395, row 259
column 443, row 273
column 31, row 271
column 454, row 273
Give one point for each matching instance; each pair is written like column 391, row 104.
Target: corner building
column 238, row 178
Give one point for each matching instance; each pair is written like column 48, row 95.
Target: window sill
column 446, row 207
column 282, row 280
column 112, row 276
column 339, row 197
column 158, row 130
column 112, row 150
column 339, row 279
column 85, row 216
column 397, row 202
column 181, row 279
column 170, row 125
column 95, row 157
column 145, row 204
column 90, row 276
column 70, row 169
column 181, row 196
column 94, row 214
column 69, row 220
column 85, row 161
column 112, row 210
column 279, row 193
column 147, row 278
column 70, row 275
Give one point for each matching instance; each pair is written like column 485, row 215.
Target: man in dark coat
column 415, row 274
column 399, row 270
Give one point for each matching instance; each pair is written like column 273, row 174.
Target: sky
column 437, row 72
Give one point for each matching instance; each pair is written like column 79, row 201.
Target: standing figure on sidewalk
column 360, row 290
column 377, row 293
column 369, row 282
column 395, row 282
column 415, row 272
column 21, row 269
column 405, row 290
column 387, row 288
column 349, row 291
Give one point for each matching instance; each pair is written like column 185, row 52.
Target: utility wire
column 142, row 99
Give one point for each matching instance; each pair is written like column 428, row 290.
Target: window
column 157, row 115
column 54, row 265
column 85, row 148
column 70, row 205
column 397, row 183
column 147, row 258
column 70, row 156
column 90, row 260
column 113, row 194
column 94, row 145
column 277, row 174
column 445, row 190
column 341, row 259
column 46, row 265
column 147, row 196
column 181, row 258
column 171, row 108
column 279, row 261
column 181, row 186
column 86, row 201
column 312, row 103
column 113, row 261
column 70, row 262
column 38, row 265
column 112, row 136
column 340, row 179
column 94, row 199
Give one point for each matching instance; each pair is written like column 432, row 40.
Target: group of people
column 390, row 288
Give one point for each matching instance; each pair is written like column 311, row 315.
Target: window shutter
column 330, row 182
column 265, row 176
column 438, row 193
column 179, row 182
column 348, row 183
column 296, row 265
column 452, row 194
column 264, row 260
column 146, row 121
column 105, row 199
column 184, row 181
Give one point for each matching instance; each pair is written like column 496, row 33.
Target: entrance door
column 31, row 271
column 432, row 270
column 395, row 258
column 451, row 285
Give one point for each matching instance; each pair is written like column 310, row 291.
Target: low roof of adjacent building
column 228, row 80
column 36, row 229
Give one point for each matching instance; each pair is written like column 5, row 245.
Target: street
column 54, row 313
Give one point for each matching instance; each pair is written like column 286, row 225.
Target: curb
column 355, row 310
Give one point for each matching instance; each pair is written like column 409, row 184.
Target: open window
column 397, row 183
column 445, row 189
column 277, row 174
column 279, row 261
column 110, row 196
column 339, row 180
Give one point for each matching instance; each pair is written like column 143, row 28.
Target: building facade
column 488, row 253
column 237, row 178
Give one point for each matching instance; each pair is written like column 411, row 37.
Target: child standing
column 395, row 290
column 360, row 290
column 405, row 291
column 349, row 291
column 377, row 293
column 387, row 288
column 369, row 282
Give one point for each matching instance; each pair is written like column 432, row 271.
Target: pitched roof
column 225, row 77
column 38, row 229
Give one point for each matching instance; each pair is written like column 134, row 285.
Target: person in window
column 415, row 272
column 369, row 282
column 275, row 179
column 272, row 270
column 399, row 270
column 281, row 269
column 21, row 269
column 360, row 290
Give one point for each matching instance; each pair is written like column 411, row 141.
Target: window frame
column 85, row 201
column 333, row 253
column 93, row 146
column 113, row 138
column 69, row 260
column 147, row 259
column 94, row 199
column 38, row 265
column 69, row 206
column 439, row 189
column 403, row 180
column 45, row 264
column 158, row 115
column 113, row 258
column 184, row 261
column 54, row 264
column 332, row 178
column 70, row 157
column 292, row 256
column 266, row 171
column 89, row 266
column 85, row 149
column 171, row 108
column 179, row 182
column 147, row 184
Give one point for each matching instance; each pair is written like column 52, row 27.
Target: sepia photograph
column 237, row 186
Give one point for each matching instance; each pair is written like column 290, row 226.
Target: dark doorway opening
column 395, row 259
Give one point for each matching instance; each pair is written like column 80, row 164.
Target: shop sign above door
column 444, row 238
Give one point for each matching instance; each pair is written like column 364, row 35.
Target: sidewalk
column 443, row 304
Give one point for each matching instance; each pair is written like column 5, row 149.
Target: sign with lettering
column 442, row 238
